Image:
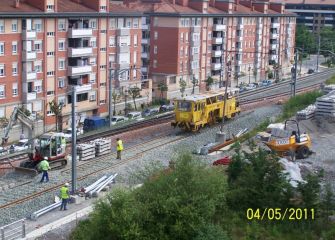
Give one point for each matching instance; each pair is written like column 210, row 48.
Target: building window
column 181, row 37
column 82, row 97
column 155, row 63
column 61, row 64
column 15, row 89
column 49, row 93
column 2, row 48
column 104, row 31
column 61, row 25
column 62, row 101
column 103, row 8
column 181, row 51
column 135, row 40
column 134, row 74
column 38, row 46
column 93, row 42
column 51, row 73
column 209, row 35
column 2, row 26
column 93, row 61
column 92, row 97
column 14, row 25
column 186, row 51
column 93, row 23
column 155, row 49
column 38, row 66
column 186, row 37
column 128, row 23
column 181, row 67
column 135, row 22
column 61, row 45
column 14, row 69
column 102, row 49
column 49, row 54
column 50, row 8
column 2, row 91
column 135, row 57
column 2, row 70
column 112, row 41
column 155, row 35
column 61, row 82
column 38, row 87
column 14, row 48
column 102, row 67
column 112, row 23
column 38, row 25
column 50, row 34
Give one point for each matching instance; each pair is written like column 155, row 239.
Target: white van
column 134, row 115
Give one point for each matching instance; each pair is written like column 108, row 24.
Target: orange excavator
column 297, row 144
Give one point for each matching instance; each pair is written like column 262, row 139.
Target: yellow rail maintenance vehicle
column 200, row 110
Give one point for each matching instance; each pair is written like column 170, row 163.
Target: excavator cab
column 296, row 144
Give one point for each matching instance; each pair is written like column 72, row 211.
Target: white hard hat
column 45, row 158
column 67, row 184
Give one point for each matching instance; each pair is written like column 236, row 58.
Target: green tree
column 310, row 191
column 183, row 202
column 194, row 83
column 327, row 37
column 135, row 92
column 305, row 39
column 182, row 85
column 209, row 82
column 162, row 88
column 57, row 110
column 115, row 98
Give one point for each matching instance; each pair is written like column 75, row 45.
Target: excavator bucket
column 29, row 171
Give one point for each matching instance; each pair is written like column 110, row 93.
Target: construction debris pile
column 96, row 148
column 325, row 106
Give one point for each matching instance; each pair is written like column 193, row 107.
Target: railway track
column 96, row 166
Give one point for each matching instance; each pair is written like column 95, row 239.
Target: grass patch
column 330, row 80
column 297, row 103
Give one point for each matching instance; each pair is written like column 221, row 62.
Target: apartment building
column 314, row 14
column 50, row 47
column 225, row 39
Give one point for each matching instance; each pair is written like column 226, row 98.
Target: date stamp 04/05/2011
column 281, row 214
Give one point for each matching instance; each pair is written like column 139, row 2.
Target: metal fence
column 15, row 230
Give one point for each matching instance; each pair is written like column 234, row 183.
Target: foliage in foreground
column 194, row 201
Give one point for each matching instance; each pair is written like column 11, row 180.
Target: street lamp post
column 249, row 73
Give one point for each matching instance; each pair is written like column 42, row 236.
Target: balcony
column 216, row 66
column 29, row 76
column 145, row 40
column 275, row 25
column 217, row 40
column 80, row 33
column 123, row 31
column 29, row 35
column 144, row 55
column 195, row 29
column 31, row 96
column 144, row 69
column 216, row 53
column 274, row 35
column 122, row 49
column 79, row 52
column 81, row 88
column 79, row 70
column 29, row 56
column 219, row 27
column 240, row 26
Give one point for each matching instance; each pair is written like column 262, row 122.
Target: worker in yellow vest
column 64, row 195
column 119, row 148
column 44, row 167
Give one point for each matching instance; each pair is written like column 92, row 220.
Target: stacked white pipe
column 102, row 146
column 86, row 151
column 306, row 113
column 102, row 184
column 329, row 88
column 325, row 106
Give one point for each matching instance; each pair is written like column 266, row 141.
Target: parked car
column 150, row 111
column 256, row 84
column 242, row 89
column 250, row 86
column 166, row 108
column 134, row 115
column 23, row 144
column 266, row 83
column 68, row 133
column 93, row 123
column 310, row 71
column 118, row 119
